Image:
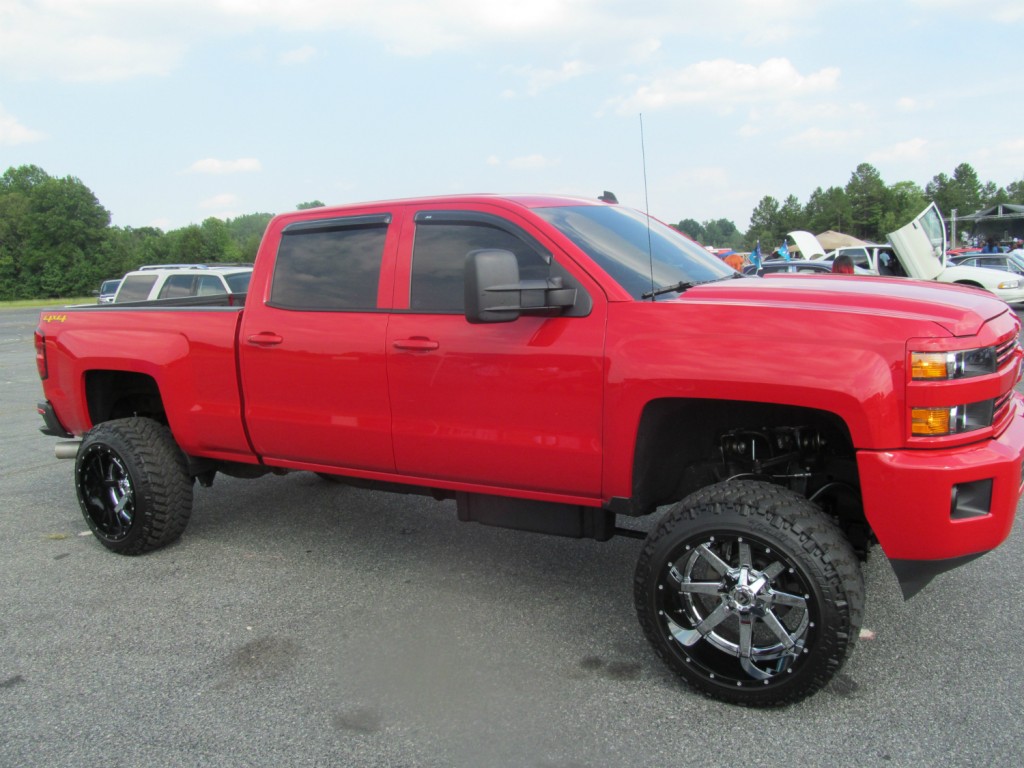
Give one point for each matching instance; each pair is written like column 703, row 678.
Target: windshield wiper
column 685, row 285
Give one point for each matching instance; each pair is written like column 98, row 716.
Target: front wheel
column 750, row 593
column 133, row 485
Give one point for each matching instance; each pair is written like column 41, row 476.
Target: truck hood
column 921, row 244
column 959, row 310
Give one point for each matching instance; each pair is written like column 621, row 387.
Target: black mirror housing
column 495, row 294
column 491, row 285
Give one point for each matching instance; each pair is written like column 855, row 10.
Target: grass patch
column 28, row 303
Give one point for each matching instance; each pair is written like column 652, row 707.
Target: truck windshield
column 637, row 258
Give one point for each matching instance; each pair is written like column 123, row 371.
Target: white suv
column 177, row 281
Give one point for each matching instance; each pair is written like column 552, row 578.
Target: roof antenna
column 647, row 205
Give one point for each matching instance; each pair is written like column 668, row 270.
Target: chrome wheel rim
column 736, row 609
column 107, row 494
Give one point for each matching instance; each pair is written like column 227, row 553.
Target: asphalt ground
column 302, row 623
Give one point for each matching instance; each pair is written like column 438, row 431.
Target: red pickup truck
column 558, row 365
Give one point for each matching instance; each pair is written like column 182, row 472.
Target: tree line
column 866, row 207
column 56, row 239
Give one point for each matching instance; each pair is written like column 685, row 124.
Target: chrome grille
column 1005, row 351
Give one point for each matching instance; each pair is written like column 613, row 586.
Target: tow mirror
column 495, row 294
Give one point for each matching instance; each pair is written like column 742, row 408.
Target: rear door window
column 330, row 265
column 210, row 285
column 135, row 288
column 177, row 287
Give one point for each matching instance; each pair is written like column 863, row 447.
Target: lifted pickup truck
column 556, row 365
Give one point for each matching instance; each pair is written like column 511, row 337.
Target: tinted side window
column 210, row 285
column 177, row 286
column 136, row 288
column 329, row 267
column 439, row 257
column 239, row 282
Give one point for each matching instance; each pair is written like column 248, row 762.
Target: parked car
column 864, row 257
column 1006, row 262
column 782, row 265
column 107, row 291
column 919, row 250
column 179, row 281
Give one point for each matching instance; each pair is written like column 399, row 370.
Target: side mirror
column 490, row 277
column 495, row 294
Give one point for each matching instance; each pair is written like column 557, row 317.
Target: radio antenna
column 647, row 205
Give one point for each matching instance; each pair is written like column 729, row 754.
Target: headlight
column 1009, row 285
column 937, row 422
column 952, row 365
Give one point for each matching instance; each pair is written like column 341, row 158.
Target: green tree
column 791, row 215
column 52, row 231
column 869, row 198
column 247, row 232
column 765, row 224
column 692, row 228
column 962, row 191
column 906, row 200
column 827, row 209
column 1015, row 191
column 310, row 204
column 722, row 233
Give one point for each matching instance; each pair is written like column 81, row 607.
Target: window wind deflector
column 483, row 219
column 344, row 222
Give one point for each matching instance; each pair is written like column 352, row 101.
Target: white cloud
column 81, row 41
column 1003, row 11
column 910, row 104
column 13, row 132
column 726, row 83
column 912, row 149
column 538, row 80
column 120, row 39
column 213, row 166
column 523, row 163
column 298, row 55
column 219, row 201
column 824, row 138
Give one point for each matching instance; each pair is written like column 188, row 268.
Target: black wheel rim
column 108, row 496
column 736, row 610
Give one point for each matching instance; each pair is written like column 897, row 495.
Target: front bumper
column 943, row 505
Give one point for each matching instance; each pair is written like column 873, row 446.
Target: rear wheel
column 749, row 593
column 133, row 485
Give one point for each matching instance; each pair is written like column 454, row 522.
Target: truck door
column 511, row 405
column 312, row 348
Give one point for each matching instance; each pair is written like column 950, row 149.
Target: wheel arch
column 113, row 395
column 677, row 442
column 970, row 284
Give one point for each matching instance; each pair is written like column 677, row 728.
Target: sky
column 172, row 111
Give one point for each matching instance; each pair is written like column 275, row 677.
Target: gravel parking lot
column 302, row 623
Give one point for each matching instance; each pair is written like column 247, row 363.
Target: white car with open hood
column 919, row 250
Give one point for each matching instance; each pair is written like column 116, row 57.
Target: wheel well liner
column 119, row 394
column 676, row 438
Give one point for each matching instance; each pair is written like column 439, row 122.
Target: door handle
column 265, row 339
column 417, row 344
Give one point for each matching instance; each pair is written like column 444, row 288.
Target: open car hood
column 921, row 244
column 808, row 244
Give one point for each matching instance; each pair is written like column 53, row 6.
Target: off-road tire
column 774, row 630
column 133, row 485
